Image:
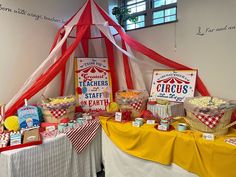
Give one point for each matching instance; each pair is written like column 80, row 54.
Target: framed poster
column 173, row 85
column 93, row 83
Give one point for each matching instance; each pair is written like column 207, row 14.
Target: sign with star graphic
column 173, row 85
column 93, row 83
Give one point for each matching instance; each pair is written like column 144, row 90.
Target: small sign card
column 162, row 127
column 118, row 116
column 208, row 136
column 50, row 128
column 150, row 122
column 173, row 85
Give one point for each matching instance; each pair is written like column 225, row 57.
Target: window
column 136, row 6
column 164, row 16
column 133, row 25
column 150, row 12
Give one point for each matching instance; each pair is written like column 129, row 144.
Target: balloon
column 84, row 90
column 113, row 107
column 12, row 123
column 79, row 90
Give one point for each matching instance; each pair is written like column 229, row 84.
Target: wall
column 212, row 51
column 25, row 41
column 26, row 37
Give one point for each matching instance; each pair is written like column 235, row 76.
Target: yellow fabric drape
column 188, row 150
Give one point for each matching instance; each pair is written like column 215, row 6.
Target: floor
column 101, row 174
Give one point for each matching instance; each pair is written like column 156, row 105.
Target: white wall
column 24, row 41
column 213, row 53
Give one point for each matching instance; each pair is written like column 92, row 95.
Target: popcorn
column 204, row 102
column 62, row 100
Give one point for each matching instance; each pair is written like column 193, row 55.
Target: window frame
column 148, row 13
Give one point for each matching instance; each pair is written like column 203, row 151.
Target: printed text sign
column 92, row 80
column 173, row 85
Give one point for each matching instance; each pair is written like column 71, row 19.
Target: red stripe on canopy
column 111, row 62
column 85, row 42
column 128, row 77
column 63, row 72
column 87, row 20
column 55, row 40
column 150, row 53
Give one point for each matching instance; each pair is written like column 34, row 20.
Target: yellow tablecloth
column 188, row 150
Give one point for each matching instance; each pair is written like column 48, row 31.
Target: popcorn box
column 15, row 139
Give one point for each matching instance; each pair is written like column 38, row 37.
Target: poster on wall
column 173, row 85
column 93, row 83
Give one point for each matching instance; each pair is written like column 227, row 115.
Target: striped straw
column 2, row 113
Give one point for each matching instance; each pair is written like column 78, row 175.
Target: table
column 54, row 158
column 120, row 164
column 145, row 151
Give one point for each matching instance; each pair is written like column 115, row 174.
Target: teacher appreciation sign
column 173, row 85
column 93, row 83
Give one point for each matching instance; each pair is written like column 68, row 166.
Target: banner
column 173, row 85
column 93, row 83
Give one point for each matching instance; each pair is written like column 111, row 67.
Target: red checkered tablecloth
column 210, row 121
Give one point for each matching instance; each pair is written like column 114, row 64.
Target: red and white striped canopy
column 92, row 25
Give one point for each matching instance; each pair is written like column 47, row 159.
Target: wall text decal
column 201, row 31
column 35, row 16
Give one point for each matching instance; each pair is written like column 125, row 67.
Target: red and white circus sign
column 173, row 85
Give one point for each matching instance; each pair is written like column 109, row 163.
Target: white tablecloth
column 54, row 158
column 119, row 164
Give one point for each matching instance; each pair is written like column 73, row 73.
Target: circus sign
column 173, row 85
column 92, row 80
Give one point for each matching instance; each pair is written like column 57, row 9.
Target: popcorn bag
column 132, row 100
column 56, row 109
column 209, row 114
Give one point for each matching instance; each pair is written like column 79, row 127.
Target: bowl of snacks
column 132, row 100
column 56, row 109
column 209, row 114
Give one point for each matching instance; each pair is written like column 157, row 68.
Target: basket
column 132, row 100
column 56, row 109
column 209, row 115
column 172, row 109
